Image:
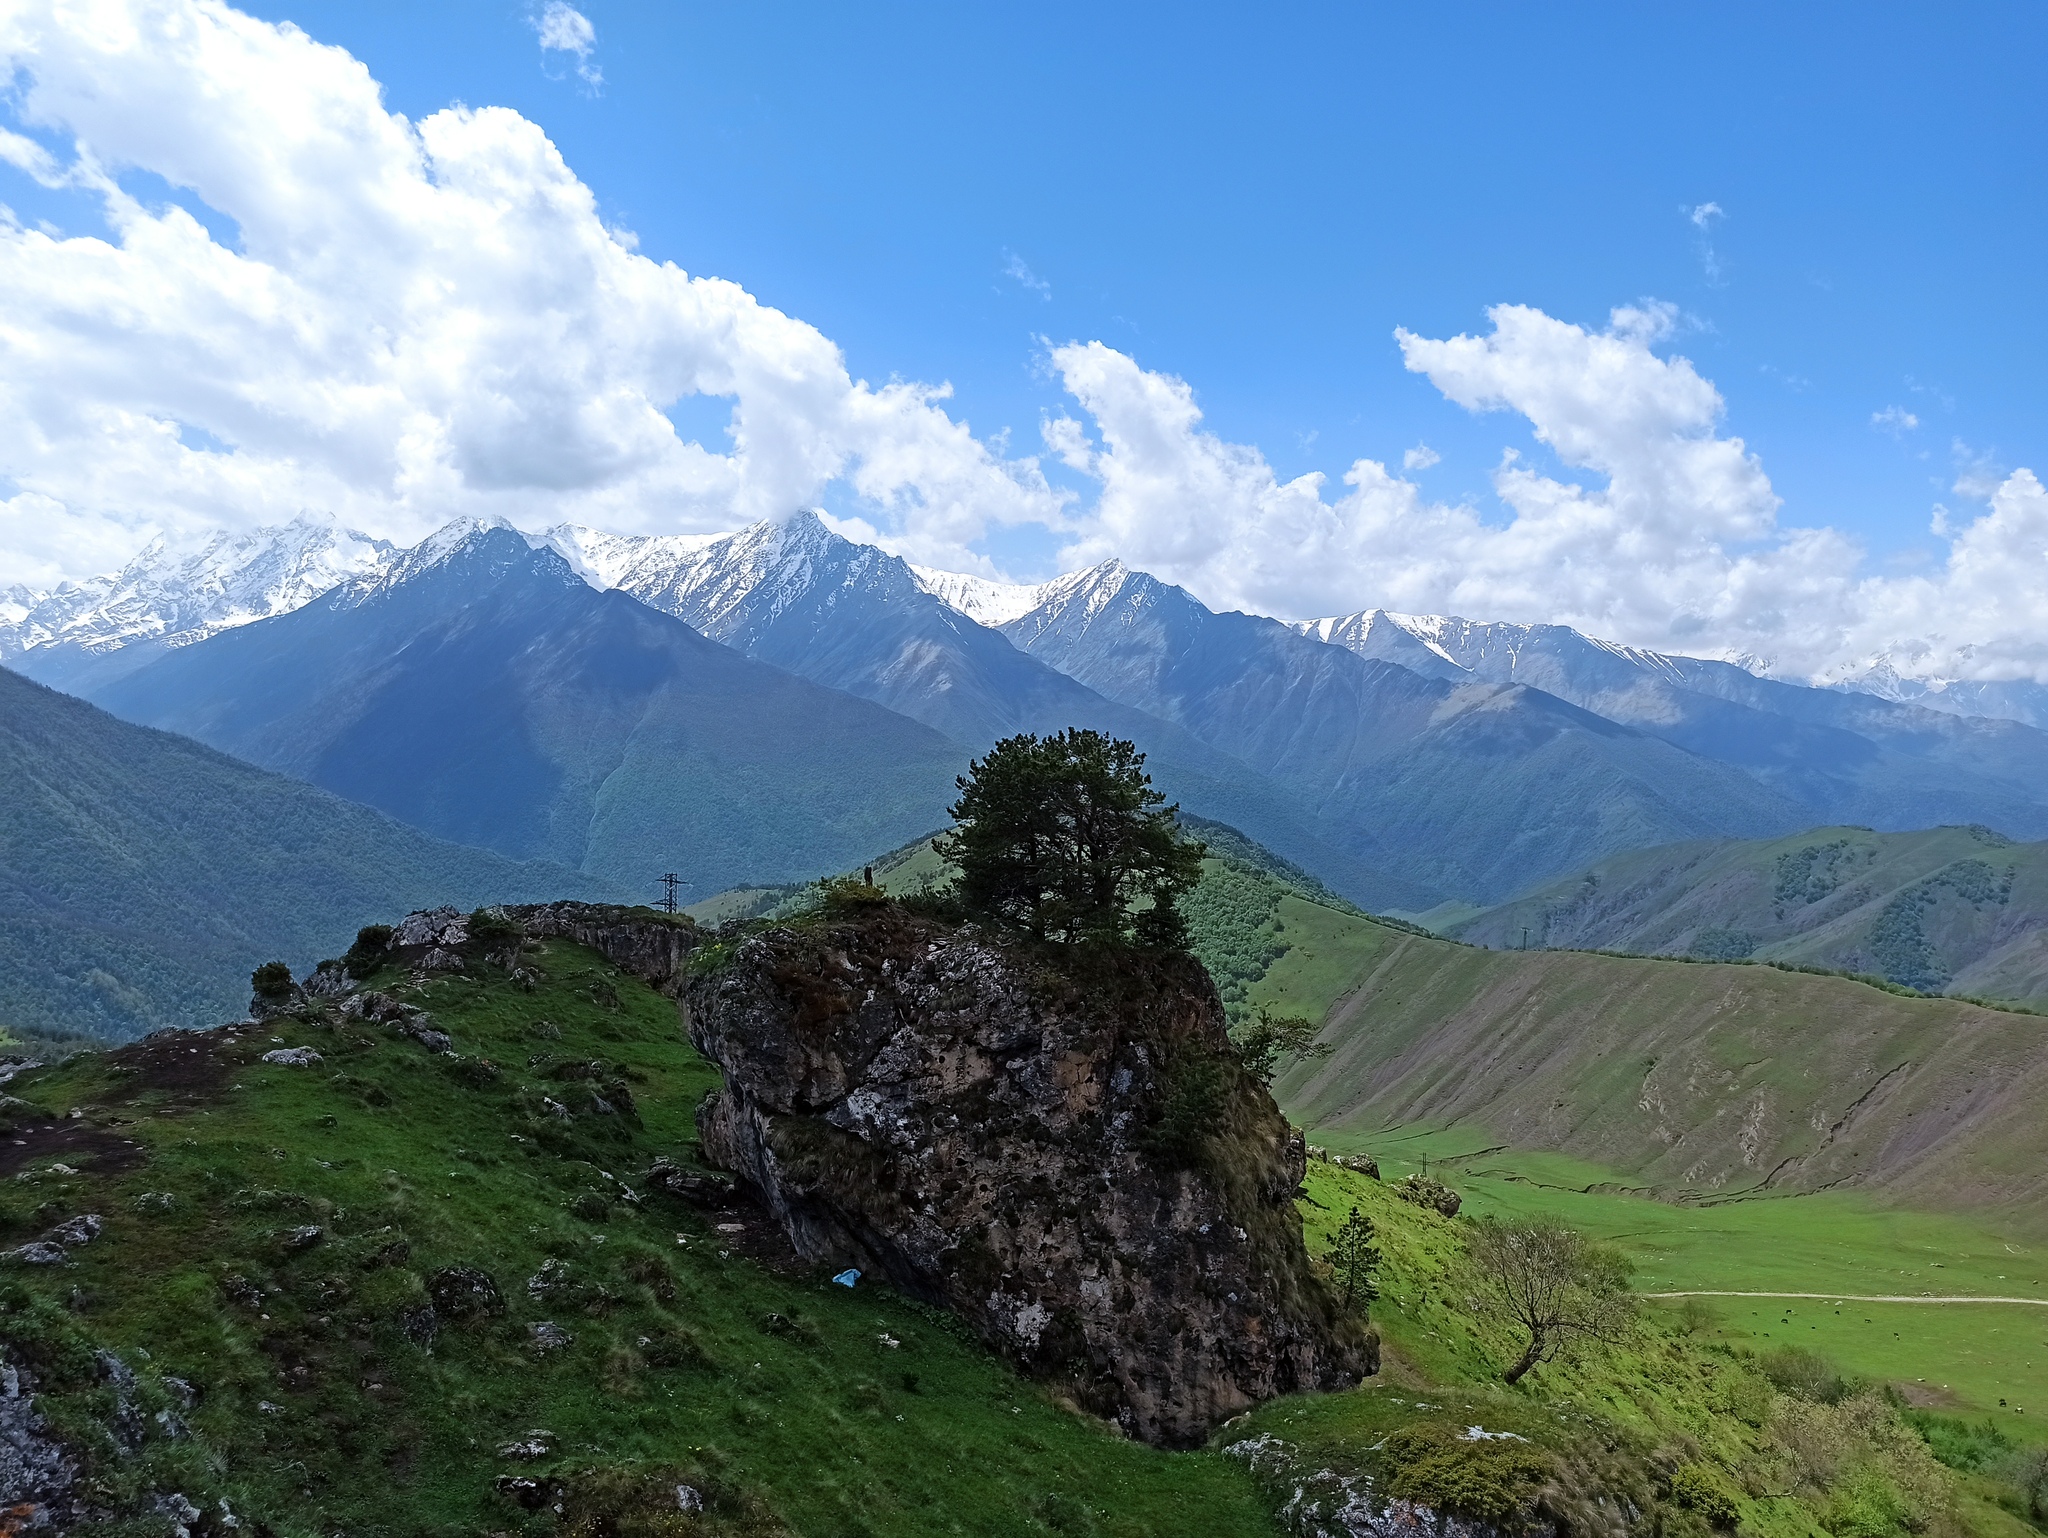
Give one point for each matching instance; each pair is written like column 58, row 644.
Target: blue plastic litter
column 847, row 1278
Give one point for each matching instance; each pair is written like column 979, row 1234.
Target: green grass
column 781, row 1393
column 1969, row 1356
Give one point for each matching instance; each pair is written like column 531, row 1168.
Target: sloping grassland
column 1690, row 1079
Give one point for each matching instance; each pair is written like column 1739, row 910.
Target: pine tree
column 1065, row 839
column 1355, row 1259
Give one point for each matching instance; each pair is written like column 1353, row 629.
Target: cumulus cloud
column 403, row 322
column 1895, row 420
column 410, row 321
column 1671, row 540
column 564, row 29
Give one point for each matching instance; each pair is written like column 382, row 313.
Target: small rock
column 40, row 1253
column 529, row 1493
column 186, row 1395
column 292, row 1240
column 547, row 1336
column 180, row 1512
column 459, row 1291
column 420, row 1325
column 153, row 1201
column 687, row 1499
column 553, row 1274
column 292, row 1057
column 440, row 960
column 434, row 1041
column 268, row 1408
column 534, row 1445
column 82, row 1229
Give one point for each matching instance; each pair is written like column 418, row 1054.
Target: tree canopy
column 1065, row 839
column 1554, row 1283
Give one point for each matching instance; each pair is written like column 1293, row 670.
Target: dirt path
column 1855, row 1297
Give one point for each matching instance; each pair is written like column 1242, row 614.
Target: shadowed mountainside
column 142, row 875
column 485, row 693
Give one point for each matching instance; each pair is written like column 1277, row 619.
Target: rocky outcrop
column 1079, row 1168
column 654, row 947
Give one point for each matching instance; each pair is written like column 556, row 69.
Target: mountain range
column 1405, row 760
column 142, row 875
column 477, row 688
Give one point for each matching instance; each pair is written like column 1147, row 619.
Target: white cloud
column 415, row 321
column 1896, row 420
column 1016, row 268
column 1421, row 457
column 564, row 29
column 1703, row 215
column 1675, row 543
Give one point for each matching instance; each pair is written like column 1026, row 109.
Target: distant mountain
column 2017, row 699
column 477, row 688
column 1467, row 787
column 1841, row 756
column 143, row 876
column 89, row 633
column 858, row 619
column 1955, row 910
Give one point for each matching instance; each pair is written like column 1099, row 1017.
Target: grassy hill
column 395, row 1291
column 142, row 876
column 1960, row 910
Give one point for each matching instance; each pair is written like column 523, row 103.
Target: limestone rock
column 1083, row 1171
column 292, row 1057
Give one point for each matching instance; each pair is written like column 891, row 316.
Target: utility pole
column 1525, row 939
column 669, row 883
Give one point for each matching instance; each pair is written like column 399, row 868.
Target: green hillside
column 1959, row 910
column 142, row 876
column 396, row 1292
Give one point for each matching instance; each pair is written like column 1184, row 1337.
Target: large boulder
column 1075, row 1163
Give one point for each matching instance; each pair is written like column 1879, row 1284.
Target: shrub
column 1805, row 1374
column 272, row 980
column 1488, row 1481
column 1187, row 1110
column 1699, row 1487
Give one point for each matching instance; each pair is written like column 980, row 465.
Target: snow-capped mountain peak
column 176, row 595
column 981, row 599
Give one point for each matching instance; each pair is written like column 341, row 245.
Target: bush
column 1805, row 1374
column 1487, row 1481
column 1187, row 1110
column 373, row 943
column 273, row 980
column 1699, row 1487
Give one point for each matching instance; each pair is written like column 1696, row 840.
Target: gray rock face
column 1082, row 1171
column 37, row 1475
column 653, row 948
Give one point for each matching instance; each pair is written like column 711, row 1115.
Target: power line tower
column 669, row 883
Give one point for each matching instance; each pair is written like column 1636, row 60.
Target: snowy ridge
column 981, row 599
column 178, row 595
column 172, row 596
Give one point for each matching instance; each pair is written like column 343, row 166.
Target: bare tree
column 1553, row 1283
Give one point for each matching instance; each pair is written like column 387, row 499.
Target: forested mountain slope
column 142, row 875
column 856, row 618
column 1959, row 910
column 482, row 691
column 1473, row 788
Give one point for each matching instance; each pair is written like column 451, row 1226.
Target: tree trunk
column 1529, row 1359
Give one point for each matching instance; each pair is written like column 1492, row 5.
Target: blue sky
column 1309, row 308
column 1253, row 202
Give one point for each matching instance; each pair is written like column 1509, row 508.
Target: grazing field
column 1967, row 1356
